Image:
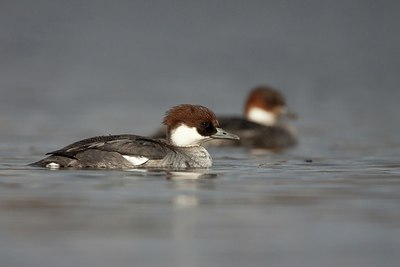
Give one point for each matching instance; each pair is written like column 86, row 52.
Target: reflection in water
column 188, row 185
column 177, row 175
column 184, row 201
column 192, row 174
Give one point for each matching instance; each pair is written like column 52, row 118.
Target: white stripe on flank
column 53, row 165
column 135, row 160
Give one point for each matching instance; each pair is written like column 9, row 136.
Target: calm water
column 248, row 210
column 70, row 71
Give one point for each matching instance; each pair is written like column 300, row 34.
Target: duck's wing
column 129, row 145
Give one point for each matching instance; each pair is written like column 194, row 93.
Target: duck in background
column 264, row 125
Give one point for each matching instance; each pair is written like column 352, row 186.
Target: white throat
column 261, row 116
column 185, row 136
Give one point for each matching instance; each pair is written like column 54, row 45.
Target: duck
column 264, row 124
column 188, row 127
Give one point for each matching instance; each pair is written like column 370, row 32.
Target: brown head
column 265, row 104
column 191, row 125
column 265, row 97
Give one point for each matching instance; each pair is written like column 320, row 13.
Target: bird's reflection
column 185, row 201
column 190, row 175
column 175, row 175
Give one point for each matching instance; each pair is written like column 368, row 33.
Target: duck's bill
column 222, row 134
column 287, row 113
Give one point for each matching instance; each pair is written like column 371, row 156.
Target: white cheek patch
column 261, row 116
column 185, row 136
column 135, row 160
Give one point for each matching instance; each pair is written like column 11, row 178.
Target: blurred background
column 76, row 68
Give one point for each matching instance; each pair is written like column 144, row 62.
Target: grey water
column 71, row 70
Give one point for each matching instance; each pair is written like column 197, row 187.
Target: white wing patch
column 53, row 166
column 136, row 160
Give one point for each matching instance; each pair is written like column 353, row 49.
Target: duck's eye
column 206, row 128
column 205, row 124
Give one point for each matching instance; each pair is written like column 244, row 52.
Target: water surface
column 287, row 209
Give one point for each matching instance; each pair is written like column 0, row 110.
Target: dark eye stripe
column 206, row 128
